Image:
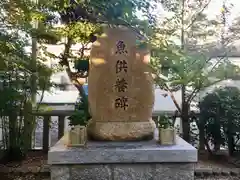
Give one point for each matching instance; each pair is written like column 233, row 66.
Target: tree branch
column 197, row 89
column 65, row 56
column 82, row 50
column 174, row 100
column 192, row 95
column 197, row 14
column 201, row 67
column 72, row 76
column 166, row 88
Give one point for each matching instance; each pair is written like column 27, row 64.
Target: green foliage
column 82, row 65
column 176, row 60
column 78, row 118
column 82, row 22
column 14, row 94
column 219, row 112
column 84, row 18
column 16, row 69
column 101, row 11
column 183, row 57
column 81, row 114
column 83, row 30
column 165, row 122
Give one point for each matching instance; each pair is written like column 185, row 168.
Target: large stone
column 121, row 131
column 145, row 160
column 122, row 152
column 120, row 84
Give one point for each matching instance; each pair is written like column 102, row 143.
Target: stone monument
column 121, row 103
column 121, row 95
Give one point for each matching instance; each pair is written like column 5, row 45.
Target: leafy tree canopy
column 15, row 38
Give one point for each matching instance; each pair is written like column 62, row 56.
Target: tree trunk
column 217, row 139
column 230, row 144
column 230, row 137
column 207, row 145
column 28, row 126
column 217, row 146
column 201, row 127
column 186, row 128
column 185, row 116
column 14, row 151
column 185, row 122
column 201, row 136
column 12, row 131
column 71, row 75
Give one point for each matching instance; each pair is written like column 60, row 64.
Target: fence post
column 45, row 145
column 155, row 119
column 61, row 123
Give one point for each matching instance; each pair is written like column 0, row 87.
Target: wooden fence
column 61, row 114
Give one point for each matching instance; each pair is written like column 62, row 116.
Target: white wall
column 70, row 97
column 225, row 83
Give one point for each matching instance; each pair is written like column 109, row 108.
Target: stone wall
column 163, row 171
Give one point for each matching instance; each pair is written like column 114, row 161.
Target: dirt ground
column 33, row 158
column 23, row 177
column 218, row 161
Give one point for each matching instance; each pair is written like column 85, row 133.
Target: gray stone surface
column 133, row 172
column 123, row 152
column 91, row 172
column 60, row 173
column 165, row 171
column 146, row 160
column 180, row 171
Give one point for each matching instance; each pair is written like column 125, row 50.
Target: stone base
column 166, row 171
column 146, row 160
column 121, row 131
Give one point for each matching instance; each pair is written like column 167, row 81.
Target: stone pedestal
column 119, row 131
column 145, row 160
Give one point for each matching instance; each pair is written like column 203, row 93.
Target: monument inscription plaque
column 121, row 95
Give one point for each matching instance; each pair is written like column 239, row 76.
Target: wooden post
column 45, row 145
column 61, row 123
column 155, row 119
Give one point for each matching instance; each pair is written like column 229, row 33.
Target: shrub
column 81, row 115
column 220, row 117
